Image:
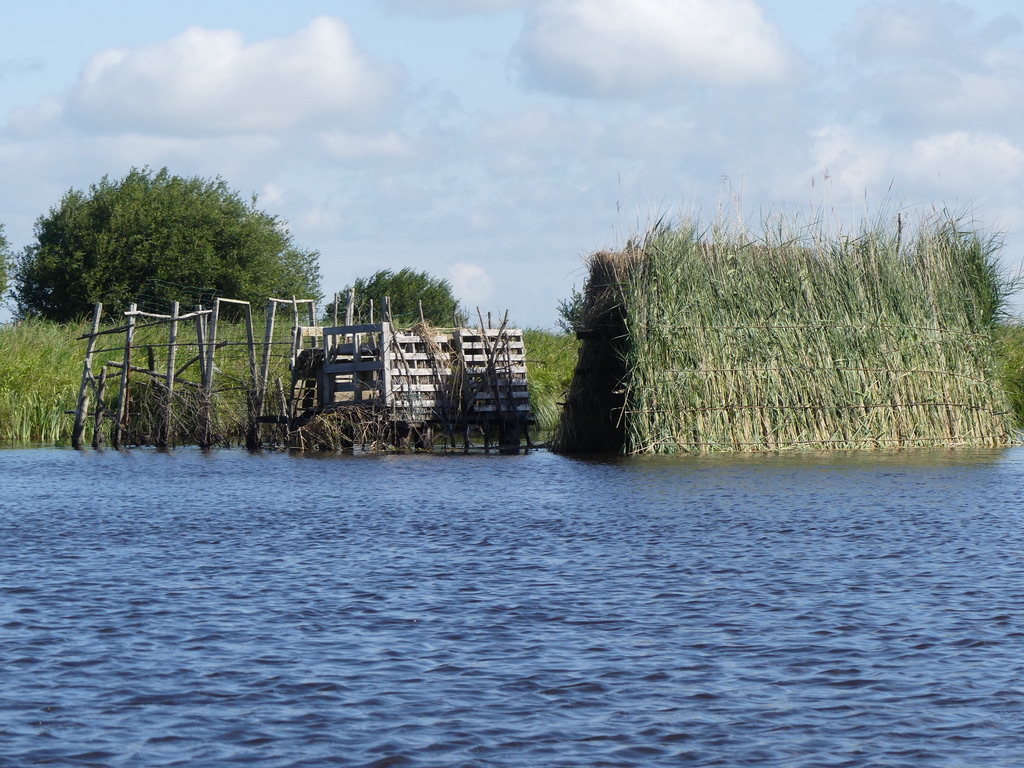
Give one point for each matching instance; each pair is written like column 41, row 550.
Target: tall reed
column 801, row 337
column 40, row 369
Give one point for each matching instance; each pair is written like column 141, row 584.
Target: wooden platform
column 455, row 379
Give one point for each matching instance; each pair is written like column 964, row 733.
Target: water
column 227, row 609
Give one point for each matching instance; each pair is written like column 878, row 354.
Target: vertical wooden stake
column 337, row 296
column 268, row 342
column 201, row 343
column 252, row 435
column 121, row 418
column 97, row 419
column 166, row 435
column 206, row 440
column 351, row 308
column 386, row 337
column 83, row 391
column 211, row 344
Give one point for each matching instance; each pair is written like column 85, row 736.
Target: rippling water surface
column 229, row 609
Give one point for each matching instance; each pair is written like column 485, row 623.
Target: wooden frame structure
column 411, row 383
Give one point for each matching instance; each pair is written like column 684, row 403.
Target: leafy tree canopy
column 5, row 262
column 406, row 289
column 161, row 238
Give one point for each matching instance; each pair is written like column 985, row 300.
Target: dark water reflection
column 228, row 609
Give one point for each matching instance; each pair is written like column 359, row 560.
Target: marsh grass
column 799, row 337
column 550, row 358
column 40, row 369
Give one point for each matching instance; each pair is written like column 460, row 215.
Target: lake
column 221, row 608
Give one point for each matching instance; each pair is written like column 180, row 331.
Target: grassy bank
column 41, row 369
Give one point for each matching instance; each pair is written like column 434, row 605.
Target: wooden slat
column 360, row 367
column 342, row 330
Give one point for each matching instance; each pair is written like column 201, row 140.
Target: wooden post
column 268, row 342
column 252, row 435
column 83, row 391
column 357, row 375
column 351, row 308
column 386, row 334
column 201, row 343
column 121, row 418
column 296, row 347
column 211, row 344
column 165, row 436
column 97, row 419
column 337, row 296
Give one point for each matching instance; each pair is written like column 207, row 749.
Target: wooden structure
column 425, row 380
column 190, row 377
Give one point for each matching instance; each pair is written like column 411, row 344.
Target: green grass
column 1009, row 339
column 40, row 370
column 550, row 360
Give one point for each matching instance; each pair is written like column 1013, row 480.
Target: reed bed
column 802, row 338
column 40, row 368
column 550, row 358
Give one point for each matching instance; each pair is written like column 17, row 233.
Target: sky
column 496, row 143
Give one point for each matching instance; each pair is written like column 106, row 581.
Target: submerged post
column 211, row 344
column 206, row 436
column 268, row 340
column 121, row 417
column 252, row 435
column 97, row 419
column 82, row 409
column 165, row 435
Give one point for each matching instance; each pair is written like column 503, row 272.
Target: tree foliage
column 5, row 262
column 157, row 235
column 406, row 289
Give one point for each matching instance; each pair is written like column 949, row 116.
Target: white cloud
column 941, row 168
column 343, row 145
column 907, row 29
column 212, row 81
column 851, row 164
column 933, row 66
column 453, row 7
column 31, row 121
column 634, row 47
column 321, row 218
column 273, row 195
column 970, row 163
column 471, row 283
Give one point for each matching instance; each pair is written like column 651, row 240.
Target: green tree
column 154, row 235
column 5, row 262
column 406, row 289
